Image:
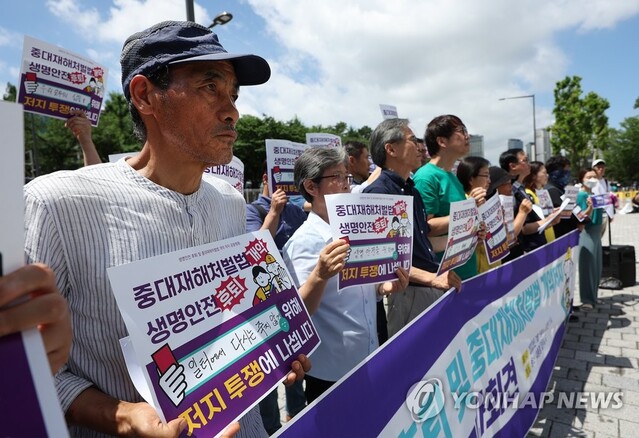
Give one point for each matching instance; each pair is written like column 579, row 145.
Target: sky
column 337, row 60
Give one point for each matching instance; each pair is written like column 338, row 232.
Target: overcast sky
column 338, row 60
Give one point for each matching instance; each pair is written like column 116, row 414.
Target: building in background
column 542, row 139
column 476, row 145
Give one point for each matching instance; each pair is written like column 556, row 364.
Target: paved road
column 600, row 354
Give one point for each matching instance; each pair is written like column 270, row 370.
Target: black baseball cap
column 172, row 42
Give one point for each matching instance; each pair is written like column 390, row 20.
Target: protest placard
column 323, row 140
column 214, row 327
column 232, row 173
column 388, row 111
column 280, row 162
column 508, row 203
column 496, row 242
column 602, row 200
column 54, row 81
column 463, row 225
column 29, row 403
column 570, row 193
column 379, row 232
column 545, row 201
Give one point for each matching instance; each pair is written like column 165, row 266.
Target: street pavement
column 600, row 354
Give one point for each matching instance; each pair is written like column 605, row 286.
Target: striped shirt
column 82, row 222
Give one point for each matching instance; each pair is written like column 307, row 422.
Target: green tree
column 250, row 146
column 623, row 150
column 114, row 133
column 11, row 93
column 581, row 125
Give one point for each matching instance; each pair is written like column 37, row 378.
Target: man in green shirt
column 446, row 138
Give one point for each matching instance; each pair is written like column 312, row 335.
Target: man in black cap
column 181, row 86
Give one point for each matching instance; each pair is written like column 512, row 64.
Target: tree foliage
column 622, row 155
column 114, row 134
column 56, row 148
column 253, row 131
column 581, row 124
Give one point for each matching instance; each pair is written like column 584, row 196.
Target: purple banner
column 19, row 404
column 220, row 398
column 370, row 400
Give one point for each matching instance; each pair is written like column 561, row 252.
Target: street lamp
column 222, row 18
column 533, row 149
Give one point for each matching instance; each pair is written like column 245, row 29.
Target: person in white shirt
column 603, row 187
column 345, row 319
column 181, row 86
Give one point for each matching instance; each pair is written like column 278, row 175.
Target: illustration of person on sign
column 394, row 231
column 263, row 280
column 279, row 278
column 405, row 227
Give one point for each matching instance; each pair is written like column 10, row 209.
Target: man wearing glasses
column 447, row 141
column 394, row 149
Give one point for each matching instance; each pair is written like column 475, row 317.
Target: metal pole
column 534, row 143
column 190, row 11
column 533, row 148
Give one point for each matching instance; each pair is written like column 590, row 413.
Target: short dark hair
column 509, row 157
column 468, row 168
column 354, row 148
column 556, row 162
column 440, row 126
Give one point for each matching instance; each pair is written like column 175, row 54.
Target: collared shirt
column 290, row 219
column 82, row 222
column 391, row 183
column 346, row 319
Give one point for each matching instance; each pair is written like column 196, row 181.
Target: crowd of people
column 79, row 223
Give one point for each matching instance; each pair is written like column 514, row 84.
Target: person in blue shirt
column 394, row 149
column 281, row 217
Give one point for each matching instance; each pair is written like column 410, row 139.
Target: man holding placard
column 85, row 221
column 394, row 150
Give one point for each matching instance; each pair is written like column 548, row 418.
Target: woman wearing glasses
column 474, row 176
column 345, row 319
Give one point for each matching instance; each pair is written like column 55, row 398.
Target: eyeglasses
column 340, row 177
